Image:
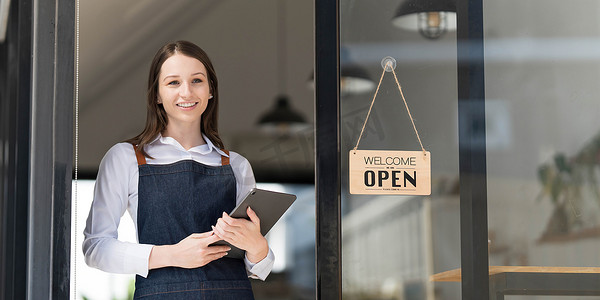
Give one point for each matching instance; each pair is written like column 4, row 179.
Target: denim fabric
column 174, row 201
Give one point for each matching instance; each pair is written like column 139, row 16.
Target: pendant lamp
column 281, row 118
column 354, row 79
column 432, row 18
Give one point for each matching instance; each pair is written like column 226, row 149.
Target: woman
column 178, row 184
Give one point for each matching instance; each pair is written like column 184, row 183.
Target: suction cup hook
column 388, row 63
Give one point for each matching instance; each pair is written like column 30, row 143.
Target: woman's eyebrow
column 170, row 76
column 197, row 73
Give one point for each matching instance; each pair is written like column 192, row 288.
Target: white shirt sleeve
column 101, row 246
column 245, row 182
column 261, row 269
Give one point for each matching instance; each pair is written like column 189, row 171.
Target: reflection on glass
column 292, row 240
column 543, row 134
column 391, row 245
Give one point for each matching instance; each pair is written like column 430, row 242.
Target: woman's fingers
column 231, row 221
column 201, row 235
column 211, row 239
column 215, row 256
column 224, row 234
column 224, row 227
column 217, row 249
column 253, row 217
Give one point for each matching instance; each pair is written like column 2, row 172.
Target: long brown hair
column 156, row 117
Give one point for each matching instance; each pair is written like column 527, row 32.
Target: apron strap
column 141, row 159
column 225, row 159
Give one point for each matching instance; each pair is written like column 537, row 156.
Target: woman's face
column 183, row 90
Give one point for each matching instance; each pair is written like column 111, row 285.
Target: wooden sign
column 376, row 172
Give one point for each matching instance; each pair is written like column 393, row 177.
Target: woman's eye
column 174, row 82
column 196, row 80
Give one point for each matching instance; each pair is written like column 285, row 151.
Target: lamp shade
column 354, row 80
column 432, row 18
column 282, row 113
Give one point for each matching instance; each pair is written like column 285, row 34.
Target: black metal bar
column 39, row 266
column 472, row 150
column 64, row 88
column 51, row 150
column 15, row 96
column 327, row 165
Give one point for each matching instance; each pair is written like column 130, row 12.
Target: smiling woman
column 177, row 172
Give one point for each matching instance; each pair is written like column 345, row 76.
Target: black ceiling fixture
column 432, row 18
column 281, row 118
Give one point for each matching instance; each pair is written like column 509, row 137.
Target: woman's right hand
column 192, row 252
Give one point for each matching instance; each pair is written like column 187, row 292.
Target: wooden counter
column 454, row 275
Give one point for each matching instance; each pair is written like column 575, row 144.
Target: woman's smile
column 187, row 105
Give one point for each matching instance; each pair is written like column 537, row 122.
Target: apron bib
column 174, row 201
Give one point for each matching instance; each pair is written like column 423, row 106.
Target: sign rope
column 390, row 63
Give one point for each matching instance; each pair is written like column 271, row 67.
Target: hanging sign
column 390, row 172
column 380, row 172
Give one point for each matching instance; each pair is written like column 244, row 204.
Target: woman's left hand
column 244, row 234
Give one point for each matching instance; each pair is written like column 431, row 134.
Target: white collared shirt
column 116, row 190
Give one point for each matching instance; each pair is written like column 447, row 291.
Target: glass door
column 401, row 247
column 391, row 245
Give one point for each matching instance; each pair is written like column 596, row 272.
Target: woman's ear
column 158, row 100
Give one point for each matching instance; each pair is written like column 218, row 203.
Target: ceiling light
column 281, row 118
column 432, row 18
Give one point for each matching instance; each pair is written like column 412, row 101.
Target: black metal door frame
column 15, row 106
column 472, row 150
column 37, row 80
column 327, row 160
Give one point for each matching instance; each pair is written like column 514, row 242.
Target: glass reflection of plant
column 563, row 180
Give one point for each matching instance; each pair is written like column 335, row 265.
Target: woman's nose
column 185, row 90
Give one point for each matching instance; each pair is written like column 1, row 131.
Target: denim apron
column 174, row 201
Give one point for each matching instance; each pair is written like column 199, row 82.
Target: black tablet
column 269, row 206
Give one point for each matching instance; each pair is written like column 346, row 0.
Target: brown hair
column 156, row 117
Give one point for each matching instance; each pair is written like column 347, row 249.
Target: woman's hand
column 191, row 252
column 243, row 234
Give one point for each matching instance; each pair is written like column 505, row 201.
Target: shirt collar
column 202, row 149
column 211, row 146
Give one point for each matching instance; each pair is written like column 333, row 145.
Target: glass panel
column 392, row 244
column 543, row 135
